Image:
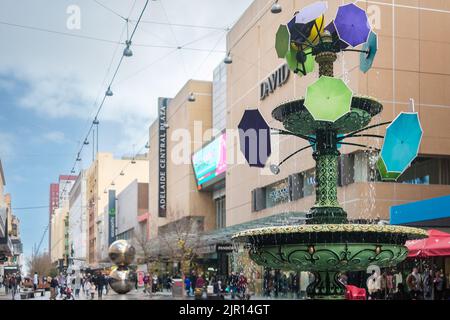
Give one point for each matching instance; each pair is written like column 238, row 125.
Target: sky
column 51, row 84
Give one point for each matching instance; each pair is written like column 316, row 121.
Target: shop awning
column 436, row 245
column 432, row 213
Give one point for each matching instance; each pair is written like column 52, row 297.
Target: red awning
column 437, row 244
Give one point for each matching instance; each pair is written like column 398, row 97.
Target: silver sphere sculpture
column 122, row 253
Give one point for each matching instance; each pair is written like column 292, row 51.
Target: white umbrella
column 311, row 12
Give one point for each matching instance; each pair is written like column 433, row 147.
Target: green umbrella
column 328, row 99
column 296, row 66
column 384, row 173
column 282, row 41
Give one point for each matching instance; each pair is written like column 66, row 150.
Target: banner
column 111, row 216
column 162, row 159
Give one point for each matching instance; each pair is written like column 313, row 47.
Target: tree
column 40, row 263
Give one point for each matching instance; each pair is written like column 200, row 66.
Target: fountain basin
column 296, row 118
column 328, row 247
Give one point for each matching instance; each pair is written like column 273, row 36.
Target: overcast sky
column 51, row 84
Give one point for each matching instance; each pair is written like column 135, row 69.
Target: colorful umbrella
column 311, row 12
column 301, row 63
column 352, row 24
column 328, row 99
column 303, row 33
column 282, row 41
column 401, row 144
column 331, row 28
column 371, row 46
column 384, row 173
column 254, row 137
column 436, row 245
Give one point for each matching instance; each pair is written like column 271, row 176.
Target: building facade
column 78, row 217
column 104, row 181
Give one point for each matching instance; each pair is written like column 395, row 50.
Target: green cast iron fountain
column 327, row 245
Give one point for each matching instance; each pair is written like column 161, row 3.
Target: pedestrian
column 53, row 287
column 154, row 283
column 77, row 285
column 193, row 280
column 100, row 284
column 439, row 285
column 428, row 285
column 88, row 288
column 414, row 282
column 35, row 281
column 374, row 286
column 187, row 286
column 13, row 286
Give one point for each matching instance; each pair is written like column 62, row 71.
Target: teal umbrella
column 369, row 49
column 401, row 145
column 328, row 99
column 282, row 41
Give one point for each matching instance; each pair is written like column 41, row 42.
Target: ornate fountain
column 327, row 245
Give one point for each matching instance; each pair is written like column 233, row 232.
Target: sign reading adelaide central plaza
column 275, row 80
column 162, row 141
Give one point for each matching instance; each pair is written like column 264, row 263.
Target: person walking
column 414, row 282
column 100, row 283
column 88, row 288
column 35, row 281
column 439, row 285
column 428, row 285
column 13, row 286
column 77, row 285
column 187, row 286
column 53, row 288
column 374, row 286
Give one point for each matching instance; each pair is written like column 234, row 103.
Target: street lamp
column 228, row 59
column 127, row 52
column 191, row 97
column 276, row 8
column 109, row 92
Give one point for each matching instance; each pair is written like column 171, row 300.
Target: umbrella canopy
column 352, row 24
column 282, row 41
column 303, row 32
column 311, row 12
column 302, row 63
column 254, row 138
column 366, row 59
column 436, row 245
column 331, row 28
column 384, row 173
column 328, row 99
column 402, row 142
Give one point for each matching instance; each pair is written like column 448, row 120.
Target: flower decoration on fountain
column 329, row 116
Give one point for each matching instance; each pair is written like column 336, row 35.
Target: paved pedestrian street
column 133, row 295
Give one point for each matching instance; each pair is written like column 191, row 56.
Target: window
column 220, row 213
column 309, row 182
column 277, row 193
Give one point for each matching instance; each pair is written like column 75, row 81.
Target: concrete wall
column 78, row 215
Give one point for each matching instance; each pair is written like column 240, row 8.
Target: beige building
column 105, row 175
column 59, row 243
column 188, row 128
column 412, row 62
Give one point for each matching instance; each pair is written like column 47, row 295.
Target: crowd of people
column 63, row 286
column 429, row 285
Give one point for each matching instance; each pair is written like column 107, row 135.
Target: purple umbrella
column 352, row 24
column 254, row 138
column 332, row 29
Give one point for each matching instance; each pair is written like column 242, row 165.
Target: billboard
column 210, row 161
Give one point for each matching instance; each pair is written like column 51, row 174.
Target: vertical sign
column 111, row 216
column 162, row 159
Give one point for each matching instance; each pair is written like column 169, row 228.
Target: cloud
column 7, row 146
column 55, row 137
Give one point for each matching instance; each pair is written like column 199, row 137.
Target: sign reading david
column 275, row 80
